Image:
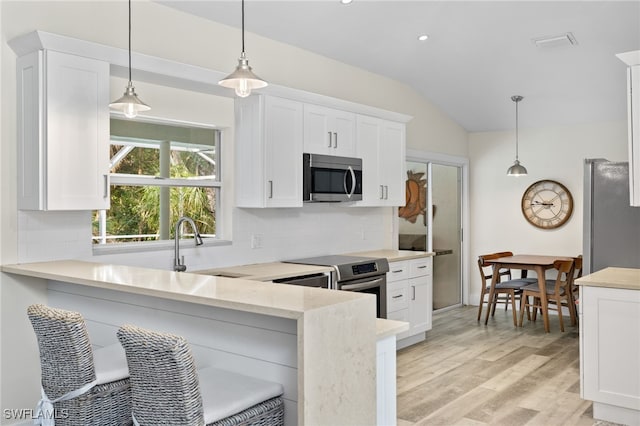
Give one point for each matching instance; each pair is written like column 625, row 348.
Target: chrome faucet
column 178, row 262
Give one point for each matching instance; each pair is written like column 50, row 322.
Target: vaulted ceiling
column 478, row 54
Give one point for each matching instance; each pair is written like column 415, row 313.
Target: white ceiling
column 479, row 53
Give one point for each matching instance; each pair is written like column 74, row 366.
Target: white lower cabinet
column 268, row 163
column 410, row 297
column 610, row 352
column 63, row 132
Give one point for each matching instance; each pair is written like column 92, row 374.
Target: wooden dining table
column 529, row 262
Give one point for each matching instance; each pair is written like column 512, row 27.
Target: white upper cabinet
column 63, row 132
column 329, row 131
column 268, row 163
column 632, row 59
column 381, row 145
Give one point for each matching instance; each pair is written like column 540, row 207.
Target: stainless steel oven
column 355, row 273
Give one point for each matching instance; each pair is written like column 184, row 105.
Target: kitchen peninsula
column 321, row 345
column 609, row 316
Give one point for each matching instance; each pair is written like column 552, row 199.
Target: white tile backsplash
column 313, row 230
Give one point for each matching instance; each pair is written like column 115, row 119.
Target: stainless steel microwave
column 331, row 178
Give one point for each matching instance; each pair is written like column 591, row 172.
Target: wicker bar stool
column 80, row 386
column 168, row 390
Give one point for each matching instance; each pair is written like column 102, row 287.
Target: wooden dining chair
column 558, row 295
column 507, row 289
column 570, row 286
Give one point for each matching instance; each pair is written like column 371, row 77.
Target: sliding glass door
column 446, row 235
column 431, row 220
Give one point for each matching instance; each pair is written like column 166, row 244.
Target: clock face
column 547, row 204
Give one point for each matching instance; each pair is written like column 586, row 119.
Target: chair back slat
column 564, row 279
column 164, row 381
column 66, row 357
column 486, row 276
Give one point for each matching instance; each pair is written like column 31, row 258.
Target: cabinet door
column 368, row 134
column 391, row 158
column 328, row 131
column 381, row 144
column 71, row 95
column 344, row 138
column 318, row 135
column 610, row 346
column 420, row 304
column 283, row 138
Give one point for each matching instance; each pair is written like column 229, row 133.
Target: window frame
column 147, row 180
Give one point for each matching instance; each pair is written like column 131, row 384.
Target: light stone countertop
column 623, row 278
column 276, row 270
column 394, row 255
column 386, row 328
column 265, row 271
column 280, row 300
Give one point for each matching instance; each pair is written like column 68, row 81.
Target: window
column 160, row 171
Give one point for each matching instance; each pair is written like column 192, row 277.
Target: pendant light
column 129, row 103
column 517, row 169
column 243, row 80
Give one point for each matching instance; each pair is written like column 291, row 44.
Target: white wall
column 166, row 33
column 497, row 223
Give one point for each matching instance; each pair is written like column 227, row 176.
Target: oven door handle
column 362, row 286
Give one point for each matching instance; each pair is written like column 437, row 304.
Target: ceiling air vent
column 566, row 39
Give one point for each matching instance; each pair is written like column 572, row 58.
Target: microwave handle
column 353, row 182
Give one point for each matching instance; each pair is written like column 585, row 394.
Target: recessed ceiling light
column 345, row 1
column 423, row 37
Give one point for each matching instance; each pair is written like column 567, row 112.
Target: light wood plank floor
column 466, row 373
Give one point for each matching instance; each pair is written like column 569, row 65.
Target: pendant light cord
column 243, row 27
column 516, row 130
column 129, row 41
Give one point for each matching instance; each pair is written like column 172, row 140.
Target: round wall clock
column 547, row 204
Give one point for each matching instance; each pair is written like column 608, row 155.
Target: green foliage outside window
column 135, row 210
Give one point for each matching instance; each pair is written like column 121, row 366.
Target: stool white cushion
column 225, row 393
column 110, row 364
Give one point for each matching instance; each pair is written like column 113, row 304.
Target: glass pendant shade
column 243, row 80
column 129, row 103
column 517, row 169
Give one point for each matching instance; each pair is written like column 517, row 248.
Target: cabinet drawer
column 398, row 271
column 401, row 315
column 397, row 296
column 420, row 267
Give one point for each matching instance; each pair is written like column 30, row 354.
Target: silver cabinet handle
column 397, row 297
column 335, row 140
column 396, row 271
column 422, row 267
column 329, row 140
column 382, row 192
column 106, row 186
column 413, row 288
column 386, row 192
column 270, row 189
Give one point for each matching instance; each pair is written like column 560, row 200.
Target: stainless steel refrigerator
column 611, row 226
